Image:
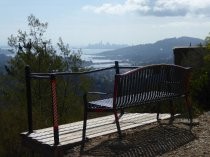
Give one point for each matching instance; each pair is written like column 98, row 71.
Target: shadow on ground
column 147, row 143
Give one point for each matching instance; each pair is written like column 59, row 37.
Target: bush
column 201, row 84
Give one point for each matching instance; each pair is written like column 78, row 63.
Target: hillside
column 158, row 52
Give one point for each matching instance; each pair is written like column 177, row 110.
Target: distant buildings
column 107, row 45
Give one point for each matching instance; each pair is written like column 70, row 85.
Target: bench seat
column 142, row 98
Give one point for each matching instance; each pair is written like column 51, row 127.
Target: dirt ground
column 153, row 140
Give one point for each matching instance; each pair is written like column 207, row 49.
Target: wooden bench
column 148, row 84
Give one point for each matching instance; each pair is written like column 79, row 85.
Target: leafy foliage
column 201, row 81
column 33, row 50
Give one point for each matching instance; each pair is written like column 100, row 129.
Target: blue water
column 90, row 55
column 99, row 61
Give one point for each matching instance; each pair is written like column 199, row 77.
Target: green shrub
column 201, row 84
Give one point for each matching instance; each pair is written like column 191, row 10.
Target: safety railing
column 52, row 78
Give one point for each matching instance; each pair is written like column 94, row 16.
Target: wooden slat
column 70, row 134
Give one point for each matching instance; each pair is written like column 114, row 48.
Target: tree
column 41, row 56
column 201, row 80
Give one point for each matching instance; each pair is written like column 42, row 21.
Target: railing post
column 29, row 99
column 54, row 109
column 117, row 71
column 117, row 67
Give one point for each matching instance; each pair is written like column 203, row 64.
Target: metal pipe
column 117, row 67
column 54, row 110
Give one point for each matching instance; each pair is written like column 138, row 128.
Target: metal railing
column 52, row 78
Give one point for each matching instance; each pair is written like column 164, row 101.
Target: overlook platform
column 42, row 140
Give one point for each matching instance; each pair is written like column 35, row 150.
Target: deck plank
column 71, row 134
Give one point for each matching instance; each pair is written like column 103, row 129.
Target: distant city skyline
column 131, row 22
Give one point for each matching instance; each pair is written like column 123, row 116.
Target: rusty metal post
column 117, row 67
column 54, row 110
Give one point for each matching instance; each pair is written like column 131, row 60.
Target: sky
column 80, row 22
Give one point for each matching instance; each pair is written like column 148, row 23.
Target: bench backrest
column 150, row 83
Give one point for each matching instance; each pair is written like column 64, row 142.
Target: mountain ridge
column 158, row 52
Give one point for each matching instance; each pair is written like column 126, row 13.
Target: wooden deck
column 42, row 140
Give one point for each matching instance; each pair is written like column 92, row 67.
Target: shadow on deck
column 71, row 135
column 151, row 142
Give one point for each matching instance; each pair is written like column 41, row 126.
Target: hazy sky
column 80, row 22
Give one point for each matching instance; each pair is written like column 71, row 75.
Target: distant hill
column 158, row 52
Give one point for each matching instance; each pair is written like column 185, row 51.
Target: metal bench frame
column 148, row 84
